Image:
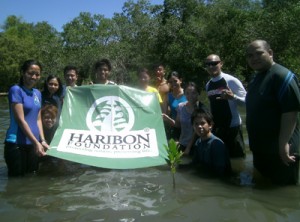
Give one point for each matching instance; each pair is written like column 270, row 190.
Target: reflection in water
column 65, row 191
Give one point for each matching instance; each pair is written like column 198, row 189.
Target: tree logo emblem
column 110, row 114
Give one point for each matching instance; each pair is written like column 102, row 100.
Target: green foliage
column 179, row 34
column 174, row 157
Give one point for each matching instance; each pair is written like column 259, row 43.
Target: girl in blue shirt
column 25, row 140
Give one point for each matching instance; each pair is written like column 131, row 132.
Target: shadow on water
column 66, row 191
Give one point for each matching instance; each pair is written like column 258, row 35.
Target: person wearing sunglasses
column 272, row 108
column 225, row 93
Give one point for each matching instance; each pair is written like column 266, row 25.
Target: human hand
column 45, row 145
column 39, row 148
column 226, row 94
column 285, row 156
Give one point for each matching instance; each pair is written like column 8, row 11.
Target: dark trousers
column 233, row 139
column 20, row 159
column 272, row 167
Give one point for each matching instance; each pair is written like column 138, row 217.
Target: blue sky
column 59, row 12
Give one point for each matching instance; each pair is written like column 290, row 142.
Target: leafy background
column 178, row 34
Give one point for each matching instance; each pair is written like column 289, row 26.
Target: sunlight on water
column 65, row 191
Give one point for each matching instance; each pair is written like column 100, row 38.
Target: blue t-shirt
column 174, row 102
column 31, row 101
column 212, row 154
column 11, row 133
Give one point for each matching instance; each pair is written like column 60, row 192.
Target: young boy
column 210, row 151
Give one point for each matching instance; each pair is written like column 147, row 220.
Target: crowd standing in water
column 211, row 136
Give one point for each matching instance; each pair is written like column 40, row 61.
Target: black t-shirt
column 220, row 108
column 270, row 94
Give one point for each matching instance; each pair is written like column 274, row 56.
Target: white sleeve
column 238, row 90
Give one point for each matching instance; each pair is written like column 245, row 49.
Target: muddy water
column 66, row 191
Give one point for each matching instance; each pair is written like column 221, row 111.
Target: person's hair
column 200, row 113
column 178, row 76
column 102, row 62
column 143, row 70
column 155, row 66
column 175, row 74
column 26, row 66
column 192, row 84
column 70, row 67
column 51, row 109
column 60, row 85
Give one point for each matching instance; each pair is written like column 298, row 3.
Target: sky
column 59, row 12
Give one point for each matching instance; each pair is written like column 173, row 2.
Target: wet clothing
column 212, row 155
column 233, row 138
column 11, row 150
column 12, row 156
column 270, row 95
column 227, row 120
column 19, row 153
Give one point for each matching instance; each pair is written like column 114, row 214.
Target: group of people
column 34, row 115
column 210, row 135
column 213, row 136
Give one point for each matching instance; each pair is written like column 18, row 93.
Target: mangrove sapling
column 174, row 157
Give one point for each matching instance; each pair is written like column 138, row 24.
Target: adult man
column 70, row 75
column 161, row 83
column 225, row 92
column 272, row 103
column 102, row 70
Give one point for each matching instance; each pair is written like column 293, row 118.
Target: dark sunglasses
column 214, row 63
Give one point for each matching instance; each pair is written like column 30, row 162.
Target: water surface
column 66, row 191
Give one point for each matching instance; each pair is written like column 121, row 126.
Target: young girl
column 210, row 152
column 25, row 104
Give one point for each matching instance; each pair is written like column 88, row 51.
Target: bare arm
column 168, row 119
column 287, row 126
column 42, row 136
column 177, row 123
column 165, row 105
column 17, row 109
column 190, row 144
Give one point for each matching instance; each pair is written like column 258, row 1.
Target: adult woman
column 171, row 102
column 25, row 103
column 53, row 92
column 184, row 113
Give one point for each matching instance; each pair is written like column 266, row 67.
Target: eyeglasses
column 214, row 63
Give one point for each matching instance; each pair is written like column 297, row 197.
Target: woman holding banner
column 22, row 154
